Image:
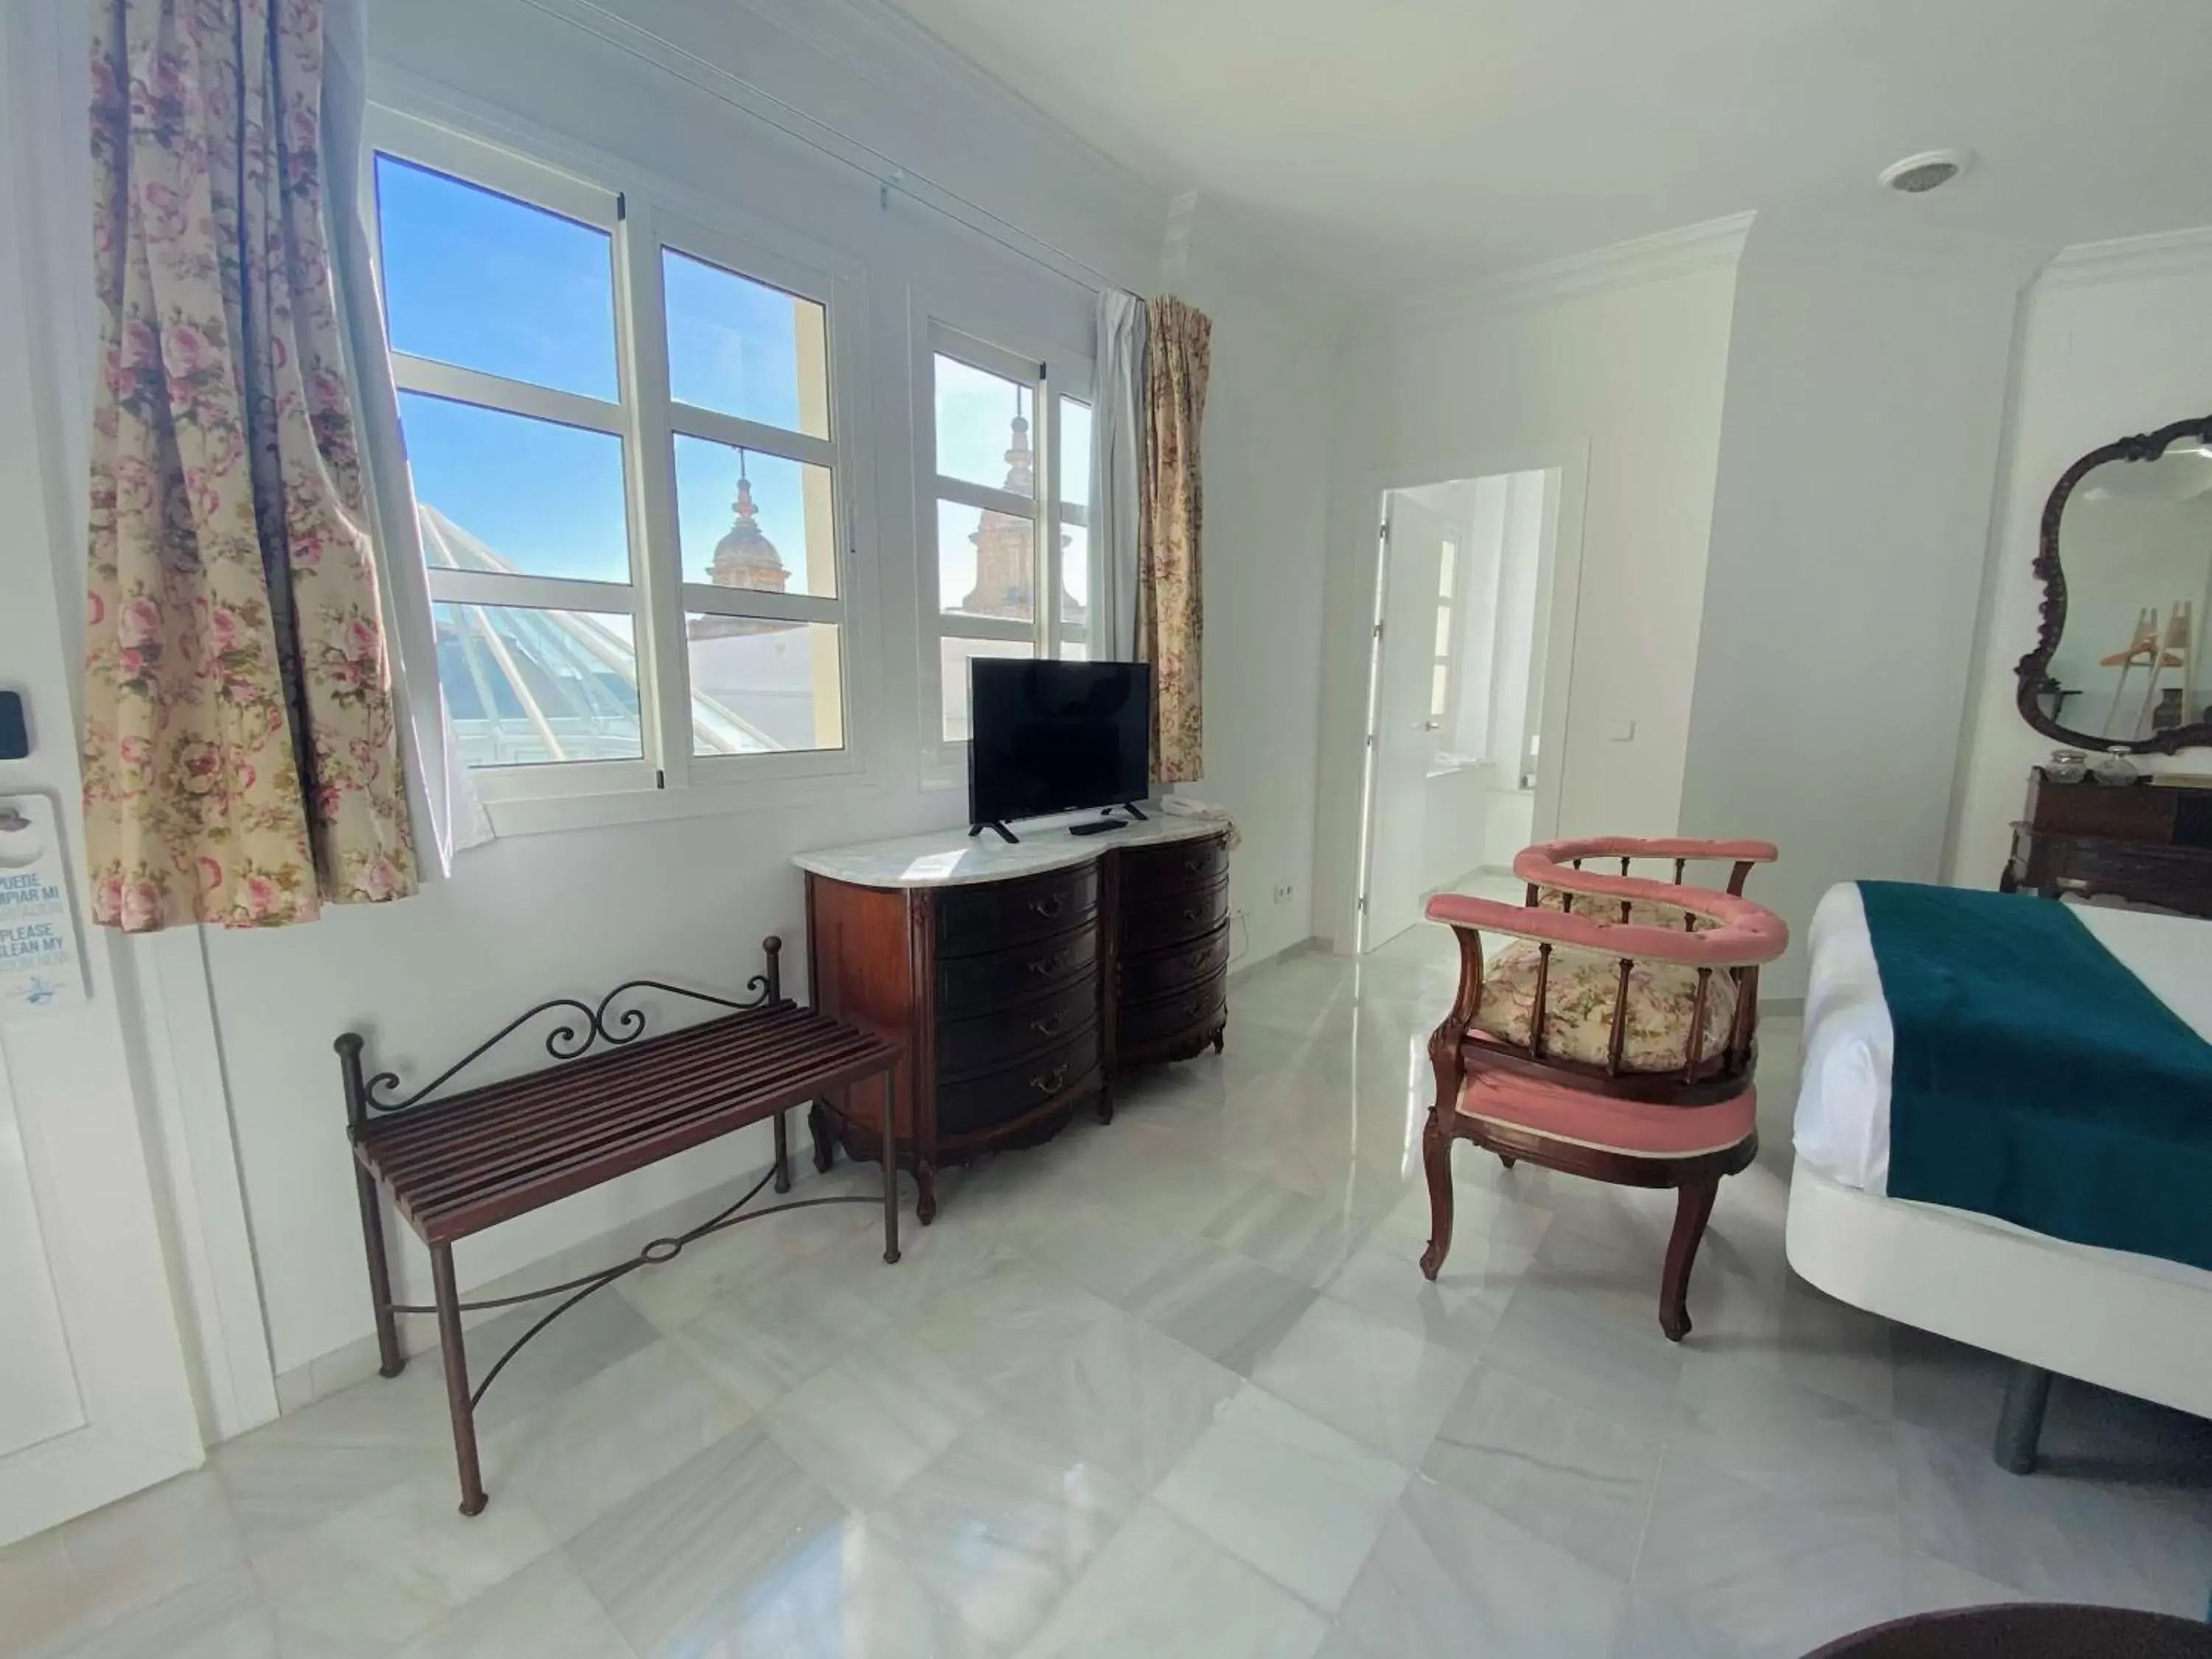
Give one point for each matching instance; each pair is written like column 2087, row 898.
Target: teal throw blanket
column 2036, row 1078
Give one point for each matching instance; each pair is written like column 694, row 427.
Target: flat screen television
column 1056, row 736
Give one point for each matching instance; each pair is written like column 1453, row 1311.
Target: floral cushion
column 1578, row 996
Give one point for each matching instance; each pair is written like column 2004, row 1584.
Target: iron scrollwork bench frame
column 456, row 1165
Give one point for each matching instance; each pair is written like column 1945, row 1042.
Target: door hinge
column 621, row 206
column 1362, row 906
column 659, row 778
column 1378, row 630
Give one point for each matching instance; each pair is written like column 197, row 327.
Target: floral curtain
column 1171, row 599
column 241, row 762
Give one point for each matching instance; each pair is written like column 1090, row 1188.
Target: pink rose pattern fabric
column 241, row 758
column 1579, row 989
column 1170, row 595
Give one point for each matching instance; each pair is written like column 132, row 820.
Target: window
column 1008, row 442
column 624, row 446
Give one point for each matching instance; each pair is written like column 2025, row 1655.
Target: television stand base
column 1096, row 826
column 1133, row 810
column 1008, row 835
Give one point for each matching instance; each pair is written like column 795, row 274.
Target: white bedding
column 1843, row 1097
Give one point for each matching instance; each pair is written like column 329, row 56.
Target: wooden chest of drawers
column 1016, row 1001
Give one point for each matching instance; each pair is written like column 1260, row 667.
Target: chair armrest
column 1745, row 934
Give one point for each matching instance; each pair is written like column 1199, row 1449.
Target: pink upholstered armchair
column 1613, row 1037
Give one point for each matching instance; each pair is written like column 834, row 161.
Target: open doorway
column 1456, row 779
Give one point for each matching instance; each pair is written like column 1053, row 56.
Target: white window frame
column 1050, row 374
column 561, row 794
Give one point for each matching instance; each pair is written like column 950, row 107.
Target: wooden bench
column 457, row 1165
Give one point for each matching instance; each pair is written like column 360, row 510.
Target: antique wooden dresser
column 2151, row 843
column 1020, row 980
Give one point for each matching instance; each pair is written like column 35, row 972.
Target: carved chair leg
column 456, row 1355
column 1693, row 1207
column 818, row 1125
column 1435, row 1157
column 1106, row 1102
column 782, row 1152
column 1220, row 1038
column 1508, row 1159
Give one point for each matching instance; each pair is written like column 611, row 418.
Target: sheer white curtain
column 449, row 817
column 1117, row 468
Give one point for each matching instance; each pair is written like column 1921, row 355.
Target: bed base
column 2122, row 1321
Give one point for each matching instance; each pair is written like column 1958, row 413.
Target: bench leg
column 390, row 1360
column 818, row 1126
column 890, row 1168
column 457, row 1380
column 782, row 1152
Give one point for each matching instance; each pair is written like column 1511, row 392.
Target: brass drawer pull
column 1196, row 864
column 1047, row 1083
column 1050, row 906
column 1198, row 958
column 1194, row 913
column 1049, row 1024
column 1197, row 1003
column 1047, row 966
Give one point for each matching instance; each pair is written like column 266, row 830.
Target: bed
column 2136, row 1323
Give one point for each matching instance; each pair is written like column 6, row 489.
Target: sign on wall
column 41, row 964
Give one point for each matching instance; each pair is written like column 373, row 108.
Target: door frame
column 1570, row 458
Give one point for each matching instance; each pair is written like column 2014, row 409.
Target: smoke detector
column 1915, row 175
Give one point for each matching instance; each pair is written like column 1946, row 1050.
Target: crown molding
column 1633, row 264
column 2130, row 259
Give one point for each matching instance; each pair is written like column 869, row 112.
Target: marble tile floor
column 1171, row 1386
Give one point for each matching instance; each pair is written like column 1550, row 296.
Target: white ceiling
column 1411, row 142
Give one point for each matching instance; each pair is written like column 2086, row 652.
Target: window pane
column 741, row 347
column 1074, row 453
column 986, row 562
column 746, row 520
column 952, row 659
column 1445, row 567
column 1437, row 687
column 485, row 282
column 983, row 429
column 1443, row 630
column 505, row 492
column 1073, row 647
column 1075, row 576
column 526, row 687
column 761, row 687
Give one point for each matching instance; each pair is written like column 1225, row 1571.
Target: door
column 1401, row 727
column 94, row 1397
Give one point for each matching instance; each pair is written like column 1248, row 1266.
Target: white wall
column 1626, row 351
column 2114, row 341
column 663, row 88
column 1858, row 450
column 1265, row 455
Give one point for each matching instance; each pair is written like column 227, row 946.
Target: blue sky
column 485, row 282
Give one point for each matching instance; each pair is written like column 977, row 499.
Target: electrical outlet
column 1283, row 892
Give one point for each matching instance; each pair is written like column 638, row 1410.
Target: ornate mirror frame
column 2034, row 668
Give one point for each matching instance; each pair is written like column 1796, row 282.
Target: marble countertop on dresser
column 947, row 858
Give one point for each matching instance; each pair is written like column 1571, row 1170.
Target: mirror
column 2126, row 565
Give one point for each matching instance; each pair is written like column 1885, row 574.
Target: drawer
column 966, row 1046
column 981, row 1103
column 1196, row 1008
column 975, row 985
column 1157, row 973
column 974, row 920
column 1149, row 923
column 1176, row 868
